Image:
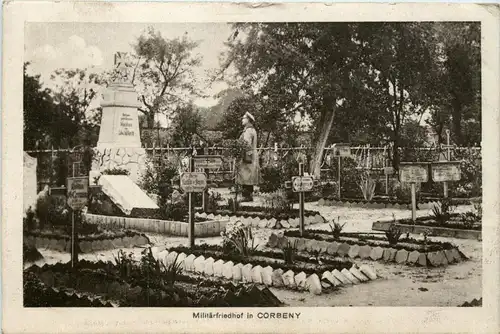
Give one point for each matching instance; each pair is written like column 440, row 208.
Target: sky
column 49, row 46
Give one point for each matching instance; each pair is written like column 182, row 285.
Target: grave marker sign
column 446, row 171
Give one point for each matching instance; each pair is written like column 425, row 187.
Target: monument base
column 132, row 159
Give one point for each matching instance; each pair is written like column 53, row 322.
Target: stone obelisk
column 119, row 144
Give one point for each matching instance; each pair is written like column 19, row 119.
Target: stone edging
column 264, row 222
column 209, row 228
column 86, row 246
column 387, row 254
column 376, row 205
column 434, row 230
column 267, row 276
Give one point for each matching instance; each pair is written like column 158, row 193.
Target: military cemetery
column 149, row 182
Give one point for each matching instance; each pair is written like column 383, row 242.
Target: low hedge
column 259, row 212
column 431, row 221
column 408, row 244
column 105, row 235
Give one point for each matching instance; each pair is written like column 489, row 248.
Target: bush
column 213, row 201
column 115, row 171
column 336, row 228
column 277, row 202
column 402, row 191
column 394, row 233
column 367, row 185
column 289, row 252
column 271, row 179
column 157, row 180
column 239, row 239
column 441, row 212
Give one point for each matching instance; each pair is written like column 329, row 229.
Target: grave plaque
column 193, row 182
column 413, row 172
column 78, row 188
column 302, row 183
column 342, row 150
column 388, row 170
column 446, row 171
column 207, row 161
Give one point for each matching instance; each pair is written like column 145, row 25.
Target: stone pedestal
column 119, row 144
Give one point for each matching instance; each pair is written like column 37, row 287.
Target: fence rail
column 53, row 164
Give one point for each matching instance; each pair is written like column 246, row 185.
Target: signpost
column 78, row 188
column 341, row 151
column 413, row 172
column 448, row 158
column 207, row 162
column 301, row 184
column 192, row 182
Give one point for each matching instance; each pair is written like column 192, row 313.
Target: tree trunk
column 150, row 119
column 457, row 121
column 326, row 125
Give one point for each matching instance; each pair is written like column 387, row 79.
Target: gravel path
column 398, row 286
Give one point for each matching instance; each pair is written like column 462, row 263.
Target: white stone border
column 272, row 223
column 268, row 276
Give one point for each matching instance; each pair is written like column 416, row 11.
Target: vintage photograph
column 252, row 164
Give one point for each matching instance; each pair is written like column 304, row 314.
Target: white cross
column 120, row 60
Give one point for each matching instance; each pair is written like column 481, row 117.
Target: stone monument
column 119, row 144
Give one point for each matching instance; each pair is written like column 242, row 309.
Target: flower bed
column 453, row 228
column 257, row 216
column 86, row 243
column 267, row 268
column 354, row 245
column 206, row 228
column 134, row 288
column 383, row 203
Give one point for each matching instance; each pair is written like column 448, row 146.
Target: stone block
column 255, row 222
column 368, row 272
column 350, row 276
column 365, row 251
column 343, row 249
column 189, row 262
column 319, row 219
column 457, row 254
column 389, row 254
column 300, row 280
column 238, row 272
column 332, row 279
column 209, row 266
column 311, row 245
column 170, row 258
column 199, row 264
column 246, row 273
column 353, row 251
column 413, row 257
column 85, row 247
column 266, row 274
column 444, row 260
column 338, row 275
column 321, row 201
column 218, row 268
column 301, row 244
column 277, row 278
column 284, row 223
column 422, row 260
column 289, row 279
column 271, row 223
column 322, row 245
column 376, row 253
column 257, row 274
column 313, row 284
column 433, row 259
column 227, row 270
column 204, row 229
column 332, row 248
column 358, row 274
column 263, row 223
column 210, row 216
column 294, row 222
column 401, row 256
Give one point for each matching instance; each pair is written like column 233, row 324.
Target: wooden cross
column 120, row 60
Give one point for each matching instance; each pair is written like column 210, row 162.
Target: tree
column 162, row 71
column 186, row 122
column 295, row 68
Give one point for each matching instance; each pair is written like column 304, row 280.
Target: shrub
column 115, row 171
column 157, row 180
column 328, row 190
column 441, row 212
column 124, row 262
column 289, row 252
column 336, row 228
column 367, row 185
column 393, row 234
column 402, row 191
column 277, row 202
column 271, row 179
column 213, row 200
column 239, row 239
column 172, row 271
